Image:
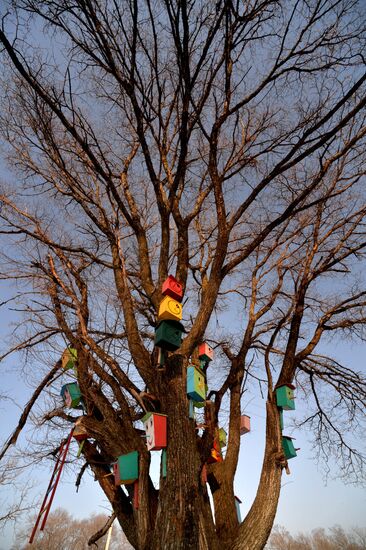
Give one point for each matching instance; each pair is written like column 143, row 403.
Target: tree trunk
column 256, row 527
column 184, row 518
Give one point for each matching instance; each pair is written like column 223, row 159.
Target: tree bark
column 255, row 529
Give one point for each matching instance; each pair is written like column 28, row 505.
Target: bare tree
column 222, row 142
column 318, row 539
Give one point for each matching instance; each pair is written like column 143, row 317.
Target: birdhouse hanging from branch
column 205, row 352
column 155, row 425
column 244, row 424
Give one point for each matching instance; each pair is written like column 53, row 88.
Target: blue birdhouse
column 196, row 384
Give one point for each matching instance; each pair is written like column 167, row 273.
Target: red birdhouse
column 216, row 455
column 155, row 427
column 173, row 288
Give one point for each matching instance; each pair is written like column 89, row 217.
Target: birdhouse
column 126, row 469
column 80, row 433
column 285, row 397
column 168, row 335
column 216, row 455
column 237, row 507
column 69, row 358
column 288, row 447
column 244, row 424
column 163, row 463
column 196, row 384
column 169, row 310
column 156, row 429
column 205, row 353
column 71, row 395
column 171, row 287
column 222, row 438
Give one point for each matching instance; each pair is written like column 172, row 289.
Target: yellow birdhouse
column 170, row 310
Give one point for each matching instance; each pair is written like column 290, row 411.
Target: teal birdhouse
column 237, row 507
column 69, row 358
column 71, row 395
column 196, row 384
column 285, row 397
column 168, row 335
column 126, row 469
column 288, row 447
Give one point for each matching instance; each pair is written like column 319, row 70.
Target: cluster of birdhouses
column 169, row 331
column 285, row 401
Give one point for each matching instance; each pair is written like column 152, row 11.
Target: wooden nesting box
column 237, row 507
column 69, row 358
column 173, row 288
column 216, row 455
column 126, row 469
column 71, row 394
column 222, row 438
column 168, row 335
column 205, row 352
column 196, row 384
column 244, row 424
column 156, row 429
column 170, row 310
column 288, row 447
column 285, row 397
column 80, row 433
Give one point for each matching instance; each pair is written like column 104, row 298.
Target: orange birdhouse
column 216, row 455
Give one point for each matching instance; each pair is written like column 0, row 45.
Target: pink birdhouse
column 244, row 424
column 205, row 352
column 173, row 288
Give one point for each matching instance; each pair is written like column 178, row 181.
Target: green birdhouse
column 288, row 447
column 222, row 437
column 127, row 468
column 69, row 358
column 71, row 395
column 168, row 335
column 285, row 397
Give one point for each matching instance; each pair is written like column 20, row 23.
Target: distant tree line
column 335, row 538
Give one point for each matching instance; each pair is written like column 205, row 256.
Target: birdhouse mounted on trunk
column 285, row 397
column 126, row 469
column 173, row 288
column 170, row 310
column 244, row 424
column 69, row 358
column 71, row 395
column 168, row 335
column 205, row 352
column 222, row 438
column 155, row 425
column 196, row 384
column 216, row 455
column 288, row 447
